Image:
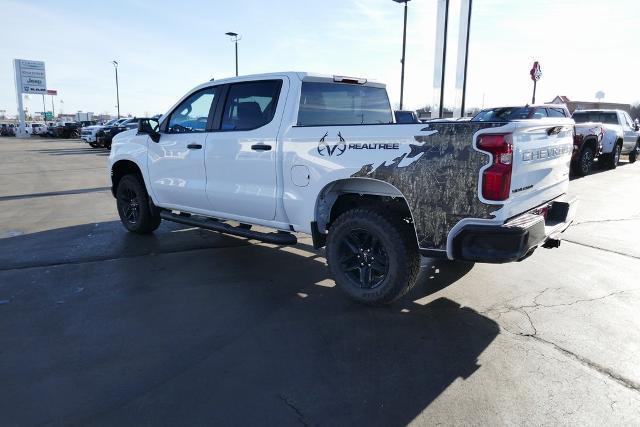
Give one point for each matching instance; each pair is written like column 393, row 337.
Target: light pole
column 235, row 38
column 404, row 46
column 115, row 66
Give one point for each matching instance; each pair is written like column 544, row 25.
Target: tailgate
column 541, row 160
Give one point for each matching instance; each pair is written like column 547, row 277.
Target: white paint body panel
column 279, row 188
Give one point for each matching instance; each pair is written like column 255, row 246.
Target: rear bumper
column 518, row 237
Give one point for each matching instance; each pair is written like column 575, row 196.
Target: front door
column 176, row 163
column 241, row 154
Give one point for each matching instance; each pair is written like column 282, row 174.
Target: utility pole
column 404, row 47
column 115, row 66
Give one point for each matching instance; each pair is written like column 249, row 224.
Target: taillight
column 496, row 179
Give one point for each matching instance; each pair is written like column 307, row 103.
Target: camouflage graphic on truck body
column 441, row 185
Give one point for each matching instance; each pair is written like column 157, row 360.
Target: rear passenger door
column 241, row 153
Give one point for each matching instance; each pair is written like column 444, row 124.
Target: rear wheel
column 134, row 206
column 373, row 259
column 584, row 163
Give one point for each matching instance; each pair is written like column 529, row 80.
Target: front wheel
column 584, row 162
column 612, row 159
column 134, row 206
column 373, row 258
column 633, row 155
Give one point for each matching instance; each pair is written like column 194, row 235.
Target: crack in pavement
column 599, row 248
column 598, row 221
column 522, row 309
column 295, row 409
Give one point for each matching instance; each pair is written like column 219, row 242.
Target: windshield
column 596, row 116
column 503, row 114
column 110, row 122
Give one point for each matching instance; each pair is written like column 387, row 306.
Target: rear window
column 596, row 116
column 327, row 104
column 502, row 114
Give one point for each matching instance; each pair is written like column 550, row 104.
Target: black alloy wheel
column 129, row 206
column 363, row 259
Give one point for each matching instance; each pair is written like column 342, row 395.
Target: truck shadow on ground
column 191, row 327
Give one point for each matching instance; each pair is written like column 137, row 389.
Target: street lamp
column 234, row 38
column 404, row 45
column 115, row 66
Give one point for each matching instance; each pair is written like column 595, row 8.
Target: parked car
column 587, row 136
column 106, row 134
column 64, row 130
column 406, row 116
column 35, row 128
column 7, row 130
column 621, row 134
column 89, row 134
column 321, row 155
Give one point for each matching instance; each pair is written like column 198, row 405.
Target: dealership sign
column 30, row 76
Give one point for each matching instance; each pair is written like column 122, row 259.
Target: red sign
column 536, row 72
column 52, row 92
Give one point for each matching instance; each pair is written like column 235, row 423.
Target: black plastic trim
column 277, row 238
column 319, row 239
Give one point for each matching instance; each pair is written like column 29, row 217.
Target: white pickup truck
column 299, row 152
column 621, row 134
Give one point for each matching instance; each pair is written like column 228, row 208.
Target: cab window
column 192, row 114
column 250, row 105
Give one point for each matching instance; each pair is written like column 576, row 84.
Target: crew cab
column 621, row 134
column 587, row 138
column 106, row 134
column 89, row 133
column 322, row 155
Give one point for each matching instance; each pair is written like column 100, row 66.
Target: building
column 589, row 105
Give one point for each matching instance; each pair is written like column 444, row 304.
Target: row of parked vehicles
column 602, row 135
column 52, row 130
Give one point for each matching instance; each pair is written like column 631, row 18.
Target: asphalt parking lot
column 98, row 326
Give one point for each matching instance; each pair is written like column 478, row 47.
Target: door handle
column 194, row 146
column 261, row 147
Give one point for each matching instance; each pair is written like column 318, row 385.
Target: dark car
column 406, row 116
column 106, row 134
column 7, row 130
column 507, row 114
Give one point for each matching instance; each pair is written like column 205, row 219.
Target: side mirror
column 149, row 127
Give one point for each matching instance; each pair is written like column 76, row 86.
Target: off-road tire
column 611, row 160
column 132, row 195
column 584, row 163
column 633, row 155
column 395, row 242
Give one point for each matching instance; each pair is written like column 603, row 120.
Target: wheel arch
column 121, row 168
column 343, row 194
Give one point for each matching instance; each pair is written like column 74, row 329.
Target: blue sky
column 166, row 47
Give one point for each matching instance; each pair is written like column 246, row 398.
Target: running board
column 278, row 238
